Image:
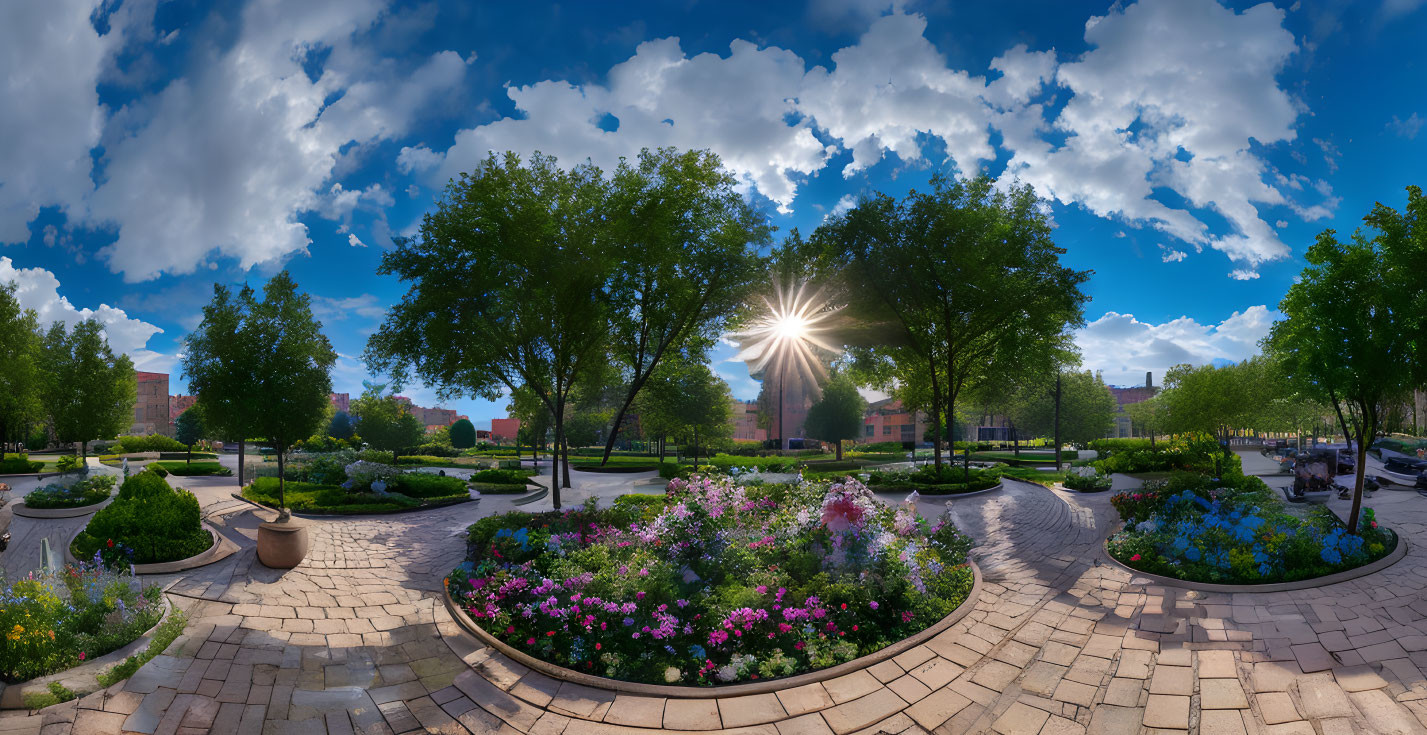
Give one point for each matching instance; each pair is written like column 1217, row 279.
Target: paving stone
column 1020, row 719
column 995, row 675
column 1275, row 676
column 754, row 709
column 1277, row 707
column 1323, row 699
column 859, row 713
column 691, row 714
column 937, row 707
column 1217, row 665
column 1358, row 678
column 1042, row 678
column 1075, row 693
column 1222, row 694
column 1172, row 680
column 1107, row 720
column 1167, row 711
column 851, row 686
column 1221, row 722
column 1313, row 657
column 1133, row 664
column 1383, row 714
column 803, row 699
column 1124, row 692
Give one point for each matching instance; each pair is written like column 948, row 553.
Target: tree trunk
column 1358, row 485
column 1057, row 422
column 839, row 444
column 281, row 484
column 936, row 421
column 84, row 452
column 1015, row 441
column 614, row 430
column 190, row 455
column 555, row 470
column 565, row 460
column 696, row 448
column 242, row 466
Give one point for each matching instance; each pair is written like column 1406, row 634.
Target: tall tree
column 1087, row 408
column 222, row 369
column 685, row 246
column 385, row 423
column 293, row 368
column 966, row 273
column 1218, row 399
column 686, row 398
column 463, row 434
column 534, row 419
column 508, row 280
column 21, row 375
column 188, row 429
column 838, row 415
column 1147, row 417
column 91, row 391
column 1350, row 336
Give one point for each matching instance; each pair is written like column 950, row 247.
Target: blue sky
column 1190, row 150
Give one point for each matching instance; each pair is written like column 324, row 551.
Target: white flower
column 672, row 674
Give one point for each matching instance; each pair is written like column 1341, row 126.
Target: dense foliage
column 154, row 521
column 324, row 486
column 1237, row 531
column 150, row 443
column 87, row 491
column 190, row 469
column 57, row 621
column 715, row 583
column 931, row 480
column 1192, row 453
column 1087, row 480
column 19, row 464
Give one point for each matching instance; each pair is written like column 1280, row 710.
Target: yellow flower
column 16, row 632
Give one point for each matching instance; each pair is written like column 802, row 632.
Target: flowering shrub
column 57, row 621
column 1087, row 479
column 361, row 474
column 1208, row 530
column 715, row 583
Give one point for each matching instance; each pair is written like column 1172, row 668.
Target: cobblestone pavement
column 356, row 641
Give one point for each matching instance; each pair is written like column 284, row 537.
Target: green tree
column 1218, row 399
column 386, row 424
column 222, row 369
column 1351, row 334
column 293, row 369
column 21, row 374
column 966, row 275
column 534, row 419
column 188, row 429
column 341, row 426
column 508, row 286
column 91, row 391
column 1147, row 417
column 463, row 434
column 686, row 398
column 685, row 254
column 837, row 416
column 1086, row 411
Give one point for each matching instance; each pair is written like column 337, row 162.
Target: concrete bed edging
column 84, row 678
column 221, row 549
column 1347, row 575
column 763, row 686
column 928, row 497
column 25, row 511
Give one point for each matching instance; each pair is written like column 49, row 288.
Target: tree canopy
column 385, row 423
column 90, row 391
column 837, row 416
column 21, row 374
column 188, row 428
column 463, row 434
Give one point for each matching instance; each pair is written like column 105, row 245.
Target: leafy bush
column 376, row 455
column 306, row 497
column 19, row 464
column 153, row 519
column 69, row 463
column 319, row 444
column 1199, row 453
column 56, row 621
column 428, row 486
column 88, row 491
column 1236, row 531
column 185, row 469
column 726, row 462
column 668, row 470
column 500, row 477
column 428, row 460
column 157, row 469
column 436, row 450
column 1105, row 446
column 150, row 443
column 715, row 583
column 952, row 480
column 881, row 447
column 1092, row 481
column 168, row 631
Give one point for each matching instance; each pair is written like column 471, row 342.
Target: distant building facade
column 1124, row 428
column 178, row 404
column 151, row 405
column 745, row 422
column 888, row 421
column 340, row 401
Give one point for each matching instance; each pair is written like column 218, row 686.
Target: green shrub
column 88, row 491
column 19, row 464
column 1087, row 483
column 155, row 521
column 158, row 470
column 375, row 455
column 436, row 450
column 318, row 444
column 500, row 477
column 427, row 460
column 426, row 485
column 668, row 470
column 331, row 499
column 150, row 443
column 185, row 469
column 69, row 463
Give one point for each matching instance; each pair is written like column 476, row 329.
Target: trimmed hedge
column 150, row 443
column 334, row 500
column 427, row 486
column 19, row 464
column 153, row 519
column 184, row 456
column 501, row 477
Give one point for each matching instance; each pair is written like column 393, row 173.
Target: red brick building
column 888, row 421
column 151, row 412
column 504, row 430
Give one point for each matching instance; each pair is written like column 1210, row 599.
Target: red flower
column 111, row 543
column 1136, row 557
column 844, row 606
column 598, row 646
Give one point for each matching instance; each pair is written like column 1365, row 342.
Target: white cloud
column 418, row 159
column 327, row 308
column 1173, row 256
column 844, row 205
column 1125, row 348
column 354, row 241
column 1406, row 128
column 225, row 160
column 52, row 114
column 38, row 289
column 736, row 105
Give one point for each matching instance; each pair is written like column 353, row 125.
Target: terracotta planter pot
column 282, row 545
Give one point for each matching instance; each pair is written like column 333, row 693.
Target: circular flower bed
column 715, row 582
column 1202, row 529
column 87, row 491
column 149, row 522
column 53, row 622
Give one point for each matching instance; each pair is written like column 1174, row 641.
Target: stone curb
column 764, row 686
column 1346, row 575
column 335, row 516
column 25, row 511
column 84, row 678
column 928, row 497
column 221, row 549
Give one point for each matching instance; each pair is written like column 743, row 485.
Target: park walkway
column 356, row 640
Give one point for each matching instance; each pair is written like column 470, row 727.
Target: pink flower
column 1136, row 557
column 81, row 655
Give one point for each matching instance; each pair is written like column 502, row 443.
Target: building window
column 886, row 431
column 869, row 430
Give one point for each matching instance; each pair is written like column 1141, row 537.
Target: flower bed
column 1196, row 453
column 1202, row 529
column 1087, row 480
column 57, row 621
column 148, row 523
column 356, row 496
column 713, row 583
column 88, row 491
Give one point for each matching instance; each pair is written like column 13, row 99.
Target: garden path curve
column 356, row 640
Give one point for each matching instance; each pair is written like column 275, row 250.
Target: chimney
column 1149, row 380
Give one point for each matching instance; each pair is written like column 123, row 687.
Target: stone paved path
column 355, row 640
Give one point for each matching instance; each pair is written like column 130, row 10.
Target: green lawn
column 1043, row 477
column 194, row 469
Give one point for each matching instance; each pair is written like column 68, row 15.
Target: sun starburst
column 784, row 338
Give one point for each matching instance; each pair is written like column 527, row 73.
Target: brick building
column 504, row 430
column 341, row 401
column 1126, row 397
column 745, row 422
column 151, row 405
column 887, row 421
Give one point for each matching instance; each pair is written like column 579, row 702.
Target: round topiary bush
column 150, row 520
column 715, row 583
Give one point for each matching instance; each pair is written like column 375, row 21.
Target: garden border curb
column 763, row 686
column 221, row 549
column 24, row 511
column 89, row 670
column 929, row 497
column 1394, row 556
